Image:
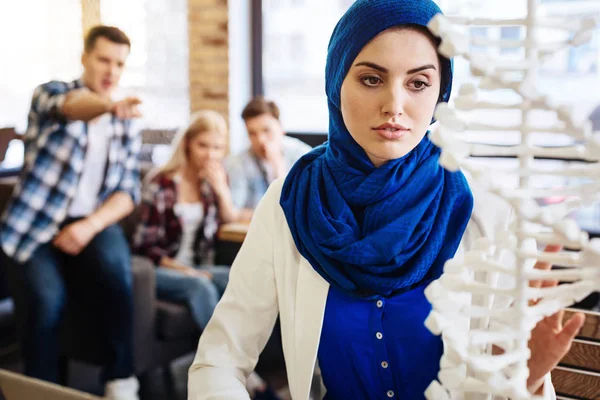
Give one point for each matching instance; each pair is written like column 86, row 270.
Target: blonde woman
column 183, row 204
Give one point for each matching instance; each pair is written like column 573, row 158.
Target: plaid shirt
column 160, row 231
column 54, row 158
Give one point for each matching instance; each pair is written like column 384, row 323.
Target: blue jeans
column 99, row 278
column 198, row 293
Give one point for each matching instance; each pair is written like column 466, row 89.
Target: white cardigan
column 269, row 278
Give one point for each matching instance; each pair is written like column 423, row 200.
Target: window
column 580, row 61
column 510, row 33
column 584, row 59
column 294, row 59
column 479, row 32
column 574, row 67
column 296, row 81
column 157, row 68
column 41, row 41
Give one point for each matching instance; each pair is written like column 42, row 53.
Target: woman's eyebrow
column 372, row 65
column 419, row 69
column 385, row 70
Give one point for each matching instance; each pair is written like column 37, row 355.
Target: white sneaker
column 122, row 389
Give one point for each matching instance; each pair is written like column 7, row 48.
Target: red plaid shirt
column 160, row 230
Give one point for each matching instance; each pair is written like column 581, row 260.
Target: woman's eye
column 420, row 85
column 371, row 80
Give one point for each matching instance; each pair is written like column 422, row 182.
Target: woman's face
column 204, row 147
column 389, row 94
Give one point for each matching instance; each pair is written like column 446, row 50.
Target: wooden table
column 233, row 232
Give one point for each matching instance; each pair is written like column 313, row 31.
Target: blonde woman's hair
column 200, row 122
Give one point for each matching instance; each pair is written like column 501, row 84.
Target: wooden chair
column 578, row 374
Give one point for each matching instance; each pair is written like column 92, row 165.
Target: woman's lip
column 390, row 134
column 391, row 126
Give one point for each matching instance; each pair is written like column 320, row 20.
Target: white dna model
column 469, row 367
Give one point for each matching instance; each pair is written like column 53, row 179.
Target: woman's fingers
column 545, row 266
column 571, row 329
column 555, row 320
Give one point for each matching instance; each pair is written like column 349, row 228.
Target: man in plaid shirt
column 59, row 235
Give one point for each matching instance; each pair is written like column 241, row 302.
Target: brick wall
column 90, row 14
column 208, row 55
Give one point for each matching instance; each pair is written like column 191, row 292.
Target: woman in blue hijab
column 344, row 247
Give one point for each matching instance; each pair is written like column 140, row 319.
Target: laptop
column 19, row 387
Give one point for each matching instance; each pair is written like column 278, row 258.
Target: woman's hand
column 550, row 339
column 216, row 176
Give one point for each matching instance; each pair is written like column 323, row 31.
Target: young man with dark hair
column 270, row 156
column 59, row 235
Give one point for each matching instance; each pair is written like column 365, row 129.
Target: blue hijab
column 374, row 231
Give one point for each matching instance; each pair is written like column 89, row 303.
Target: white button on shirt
column 378, row 335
